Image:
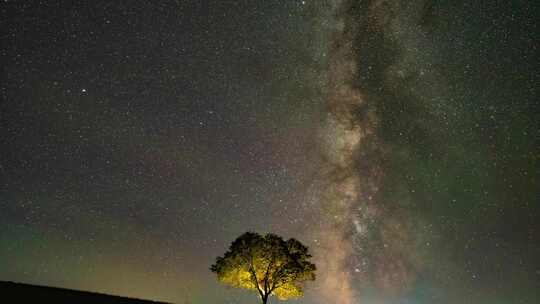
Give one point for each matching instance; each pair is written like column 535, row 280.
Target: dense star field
column 398, row 140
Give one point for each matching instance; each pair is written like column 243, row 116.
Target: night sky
column 399, row 140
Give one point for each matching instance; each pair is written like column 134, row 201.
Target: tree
column 266, row 264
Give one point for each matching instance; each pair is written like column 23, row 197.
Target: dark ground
column 24, row 293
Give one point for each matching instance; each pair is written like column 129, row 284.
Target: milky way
column 373, row 234
column 351, row 175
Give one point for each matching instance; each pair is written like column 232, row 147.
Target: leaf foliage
column 266, row 264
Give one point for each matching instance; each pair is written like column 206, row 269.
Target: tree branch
column 254, row 276
column 267, row 289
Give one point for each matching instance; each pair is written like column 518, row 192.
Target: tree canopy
column 266, row 264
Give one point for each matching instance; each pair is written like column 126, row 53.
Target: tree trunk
column 265, row 299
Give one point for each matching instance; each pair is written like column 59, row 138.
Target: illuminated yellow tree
column 266, row 264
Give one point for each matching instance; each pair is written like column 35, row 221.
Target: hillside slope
column 25, row 293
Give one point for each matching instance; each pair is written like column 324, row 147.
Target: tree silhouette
column 266, row 264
